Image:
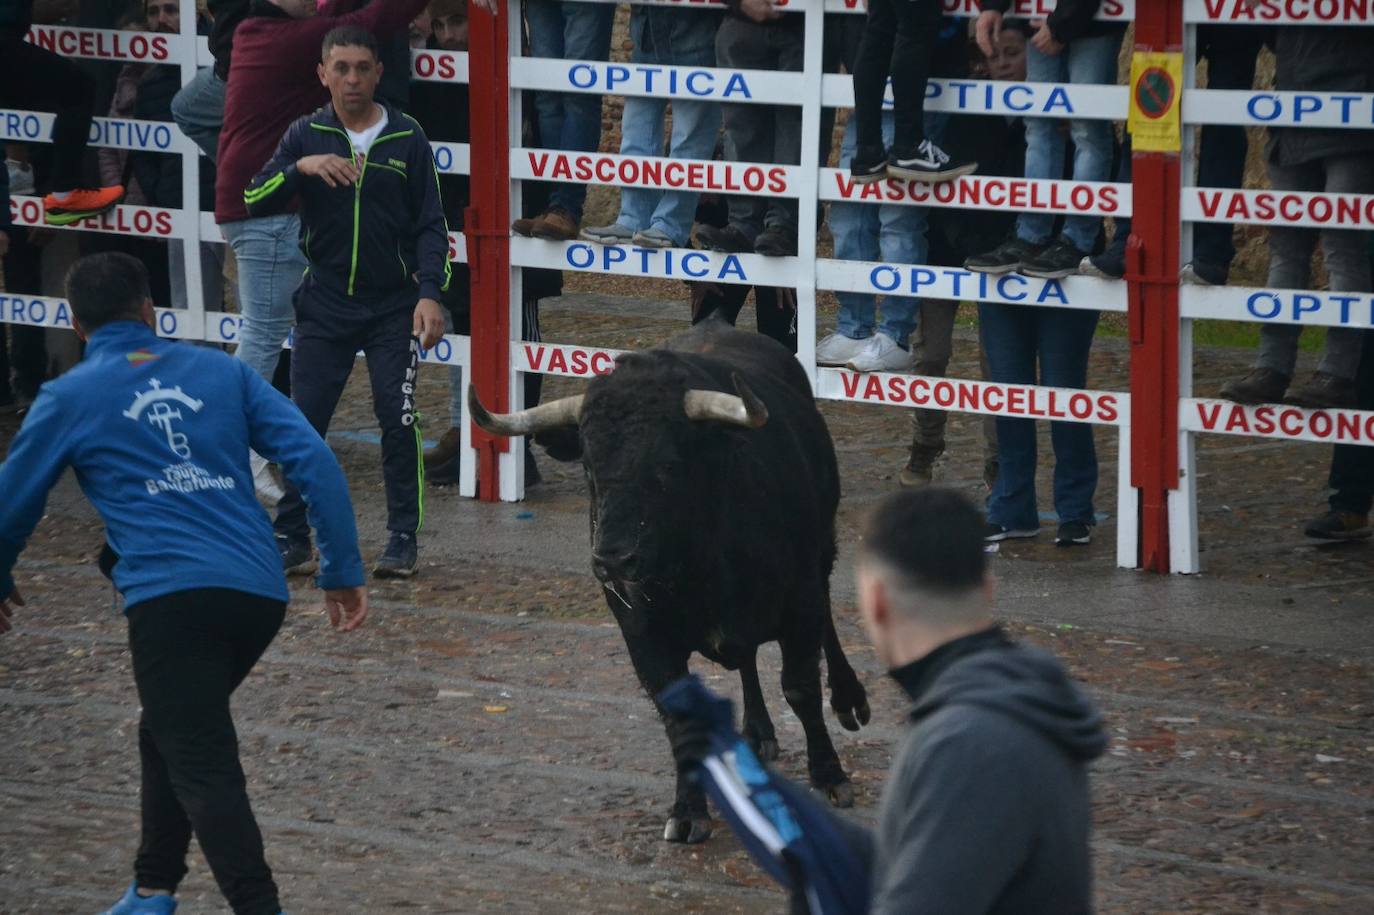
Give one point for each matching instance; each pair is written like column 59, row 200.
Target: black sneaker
column 1073, row 533
column 727, row 240
column 1339, row 525
column 993, row 533
column 399, row 559
column 1005, row 258
column 297, row 556
column 928, row 163
column 868, row 165
column 1059, row 260
column 775, row 242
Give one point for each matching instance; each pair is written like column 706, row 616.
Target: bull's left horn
column 742, row 409
column 552, row 415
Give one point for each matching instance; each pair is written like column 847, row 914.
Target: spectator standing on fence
column 566, row 30
column 378, row 252
column 1335, row 59
column 1068, row 46
column 157, row 433
column 899, row 40
column 1231, row 54
column 32, row 77
column 987, row 807
column 652, row 217
column 888, row 232
column 758, row 35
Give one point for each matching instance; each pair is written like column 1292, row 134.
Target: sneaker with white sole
column 928, row 163
column 837, row 349
column 881, row 354
column 654, row 238
column 269, row 490
column 613, row 234
column 996, row 533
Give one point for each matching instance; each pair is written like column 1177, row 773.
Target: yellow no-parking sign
column 1156, row 87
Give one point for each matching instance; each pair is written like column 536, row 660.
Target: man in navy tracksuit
column 158, row 434
column 375, row 238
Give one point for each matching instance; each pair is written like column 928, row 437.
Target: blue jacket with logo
column 158, row 434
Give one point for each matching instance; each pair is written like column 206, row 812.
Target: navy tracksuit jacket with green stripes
column 375, row 248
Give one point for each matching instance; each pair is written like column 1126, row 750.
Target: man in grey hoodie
column 986, row 807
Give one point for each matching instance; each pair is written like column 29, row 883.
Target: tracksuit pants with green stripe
column 330, row 330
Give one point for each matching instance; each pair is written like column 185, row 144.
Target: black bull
column 713, row 488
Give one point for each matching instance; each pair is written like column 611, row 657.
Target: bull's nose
column 611, row 566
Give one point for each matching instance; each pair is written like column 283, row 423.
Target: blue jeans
column 890, row 233
column 198, row 109
column 569, row 120
column 270, row 268
column 680, row 38
column 1084, row 61
column 1014, row 337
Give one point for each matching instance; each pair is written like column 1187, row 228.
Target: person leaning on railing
column 1335, row 161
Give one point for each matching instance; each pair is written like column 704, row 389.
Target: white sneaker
column 21, row 177
column 837, row 349
column 882, row 354
column 269, row 490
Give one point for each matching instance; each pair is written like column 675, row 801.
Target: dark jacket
column 368, row 239
column 1070, row 19
column 15, row 18
column 159, row 174
column 227, row 14
column 986, row 808
column 272, row 81
column 1322, row 59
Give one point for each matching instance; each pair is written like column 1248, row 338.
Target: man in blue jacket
column 158, row 434
column 377, row 246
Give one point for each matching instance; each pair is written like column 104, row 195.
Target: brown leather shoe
column 1259, row 386
column 556, row 225
column 1323, row 392
column 446, row 450
column 524, row 225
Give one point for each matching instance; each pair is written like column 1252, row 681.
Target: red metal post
column 486, row 223
column 1152, row 274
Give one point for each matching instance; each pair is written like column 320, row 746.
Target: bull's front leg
column 658, row 665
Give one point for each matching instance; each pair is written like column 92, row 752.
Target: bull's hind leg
column 847, row 697
column 801, row 684
column 758, row 727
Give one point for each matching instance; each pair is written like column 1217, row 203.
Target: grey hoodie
column 986, row 807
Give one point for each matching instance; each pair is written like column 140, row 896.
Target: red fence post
column 1152, row 266
column 486, row 223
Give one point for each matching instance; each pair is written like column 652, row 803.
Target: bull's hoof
column 693, row 829
column 766, row 750
column 841, row 794
column 853, row 719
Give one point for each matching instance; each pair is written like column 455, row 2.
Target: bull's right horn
column 552, row 415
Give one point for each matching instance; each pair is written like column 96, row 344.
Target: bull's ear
column 564, row 444
column 632, row 357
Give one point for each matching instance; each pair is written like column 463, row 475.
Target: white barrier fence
column 812, row 182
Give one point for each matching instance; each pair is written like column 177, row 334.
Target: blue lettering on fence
column 1295, row 307
column 19, row 310
column 997, row 96
column 131, row 134
column 660, row 262
column 443, row 158
column 229, row 328
column 650, row 80
column 1271, row 109
column 166, row 323
column 22, row 126
column 983, row 287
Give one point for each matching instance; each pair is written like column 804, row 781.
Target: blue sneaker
column 134, row 904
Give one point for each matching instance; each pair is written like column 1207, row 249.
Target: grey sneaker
column 613, row 234
column 399, row 559
column 654, row 238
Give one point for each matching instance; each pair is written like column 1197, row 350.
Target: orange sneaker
column 80, row 203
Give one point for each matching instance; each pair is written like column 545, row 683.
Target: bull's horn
column 743, row 409
column 552, row 415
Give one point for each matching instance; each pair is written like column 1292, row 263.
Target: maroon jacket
column 272, row 82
